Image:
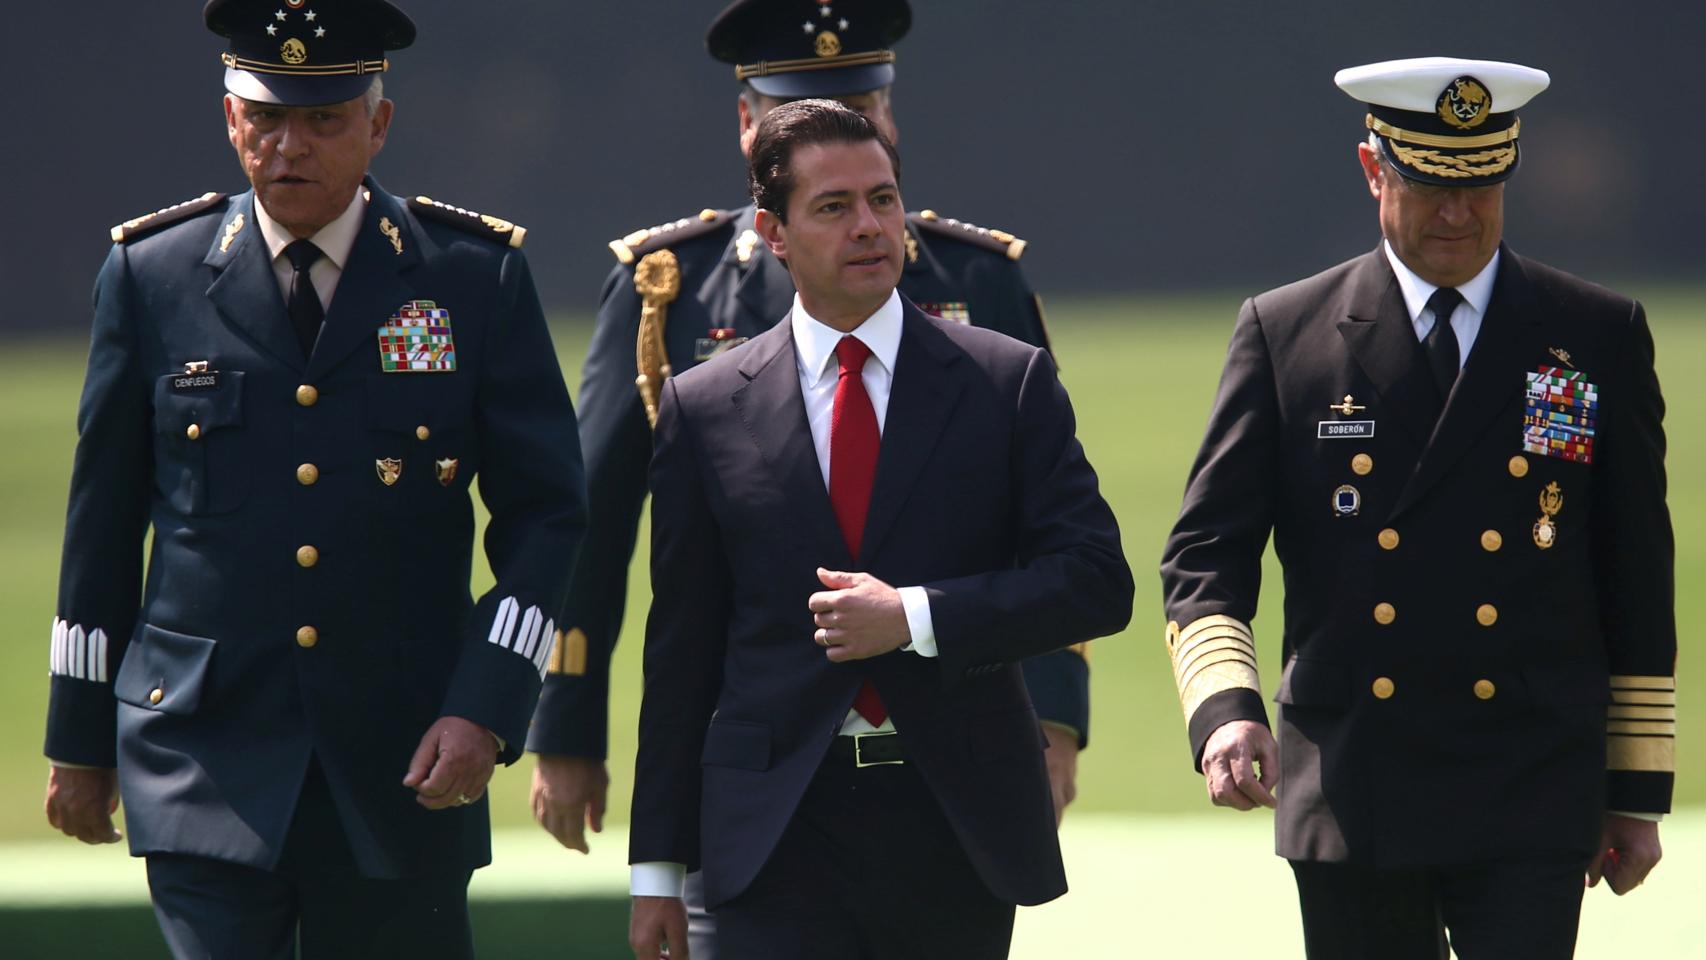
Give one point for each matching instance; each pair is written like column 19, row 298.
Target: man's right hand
column 81, row 802
column 569, row 794
column 658, row 928
column 1230, row 763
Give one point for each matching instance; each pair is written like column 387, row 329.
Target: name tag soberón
column 1343, row 429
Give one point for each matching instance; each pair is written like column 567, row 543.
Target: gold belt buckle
column 859, row 761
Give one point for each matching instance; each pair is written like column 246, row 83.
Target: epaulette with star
column 641, row 242
column 165, row 217
column 999, row 241
column 490, row 227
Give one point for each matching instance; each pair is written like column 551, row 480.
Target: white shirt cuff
column 1649, row 817
column 657, row 879
column 918, row 623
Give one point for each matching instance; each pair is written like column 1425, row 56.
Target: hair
column 803, row 123
column 374, row 94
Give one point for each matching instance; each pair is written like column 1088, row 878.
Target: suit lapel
column 774, row 413
column 245, row 291
column 922, row 397
column 1489, row 380
column 371, row 287
column 1381, row 337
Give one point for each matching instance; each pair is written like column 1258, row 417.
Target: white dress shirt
column 820, row 371
column 1465, row 320
column 335, row 240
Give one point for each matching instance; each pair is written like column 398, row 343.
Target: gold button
column 1484, row 689
column 194, row 432
column 1491, row 541
column 1487, row 614
column 307, row 637
column 307, row 396
column 307, row 556
column 421, row 432
column 308, row 474
column 1385, row 613
column 1389, row 539
column 1384, row 688
column 1362, row 464
column 1519, row 466
column 156, row 695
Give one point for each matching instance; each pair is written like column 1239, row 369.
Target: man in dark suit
column 724, row 287
column 857, row 767
column 296, row 387
column 1460, row 456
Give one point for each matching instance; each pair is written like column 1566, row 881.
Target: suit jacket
column 730, row 282
column 1465, row 625
column 982, row 496
column 304, row 597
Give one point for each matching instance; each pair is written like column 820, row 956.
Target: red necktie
column 853, row 442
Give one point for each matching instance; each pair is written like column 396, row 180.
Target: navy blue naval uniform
column 731, row 289
column 306, row 613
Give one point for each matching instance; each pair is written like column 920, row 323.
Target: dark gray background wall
column 1137, row 145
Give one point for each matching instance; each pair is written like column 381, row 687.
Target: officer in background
column 683, row 292
column 295, row 388
column 1460, row 456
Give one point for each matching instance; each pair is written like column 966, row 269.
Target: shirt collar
column 814, row 341
column 1477, row 293
column 335, row 239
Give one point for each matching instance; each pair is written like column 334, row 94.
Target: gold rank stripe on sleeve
column 568, row 657
column 527, row 634
column 1640, row 724
column 1211, row 655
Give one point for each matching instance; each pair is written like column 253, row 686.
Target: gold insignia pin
column 446, row 470
column 1562, row 355
column 390, row 470
column 1346, row 407
column 392, row 233
column 911, row 248
column 231, row 230
column 195, row 366
column 1551, row 502
column 744, row 246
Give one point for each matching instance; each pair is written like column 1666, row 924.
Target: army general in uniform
column 295, row 388
column 685, row 291
column 1459, row 454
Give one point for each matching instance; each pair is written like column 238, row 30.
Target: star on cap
column 309, row 16
column 280, row 15
column 808, row 26
column 319, row 32
column 844, row 23
column 272, row 30
column 823, row 10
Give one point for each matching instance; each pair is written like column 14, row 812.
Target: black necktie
column 306, row 313
column 1441, row 343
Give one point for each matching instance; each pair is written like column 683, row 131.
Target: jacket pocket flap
column 164, row 671
column 1314, row 683
column 737, row 743
column 220, row 406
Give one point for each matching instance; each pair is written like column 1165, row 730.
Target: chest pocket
column 423, row 442
column 201, row 446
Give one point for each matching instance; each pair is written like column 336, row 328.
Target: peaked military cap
column 303, row 53
column 1446, row 121
column 810, row 48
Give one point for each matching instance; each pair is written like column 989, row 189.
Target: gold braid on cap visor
column 356, row 69
column 765, row 68
column 1482, row 164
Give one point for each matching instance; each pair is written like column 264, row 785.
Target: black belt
column 868, row 749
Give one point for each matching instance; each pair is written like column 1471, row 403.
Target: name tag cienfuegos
column 1344, row 429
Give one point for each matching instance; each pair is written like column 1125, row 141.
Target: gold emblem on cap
column 390, row 470
column 1465, row 104
column 231, row 230
column 1551, row 502
column 392, row 233
column 293, row 52
column 828, row 44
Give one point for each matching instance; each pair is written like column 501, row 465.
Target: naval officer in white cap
column 1458, row 453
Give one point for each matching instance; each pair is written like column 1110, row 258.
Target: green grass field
column 1142, row 373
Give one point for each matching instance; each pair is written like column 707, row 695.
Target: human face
column 305, row 163
column 1446, row 235
column 874, row 104
column 842, row 240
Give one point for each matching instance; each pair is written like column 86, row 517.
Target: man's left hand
column 1628, row 851
column 453, row 764
column 858, row 617
column 1062, row 759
